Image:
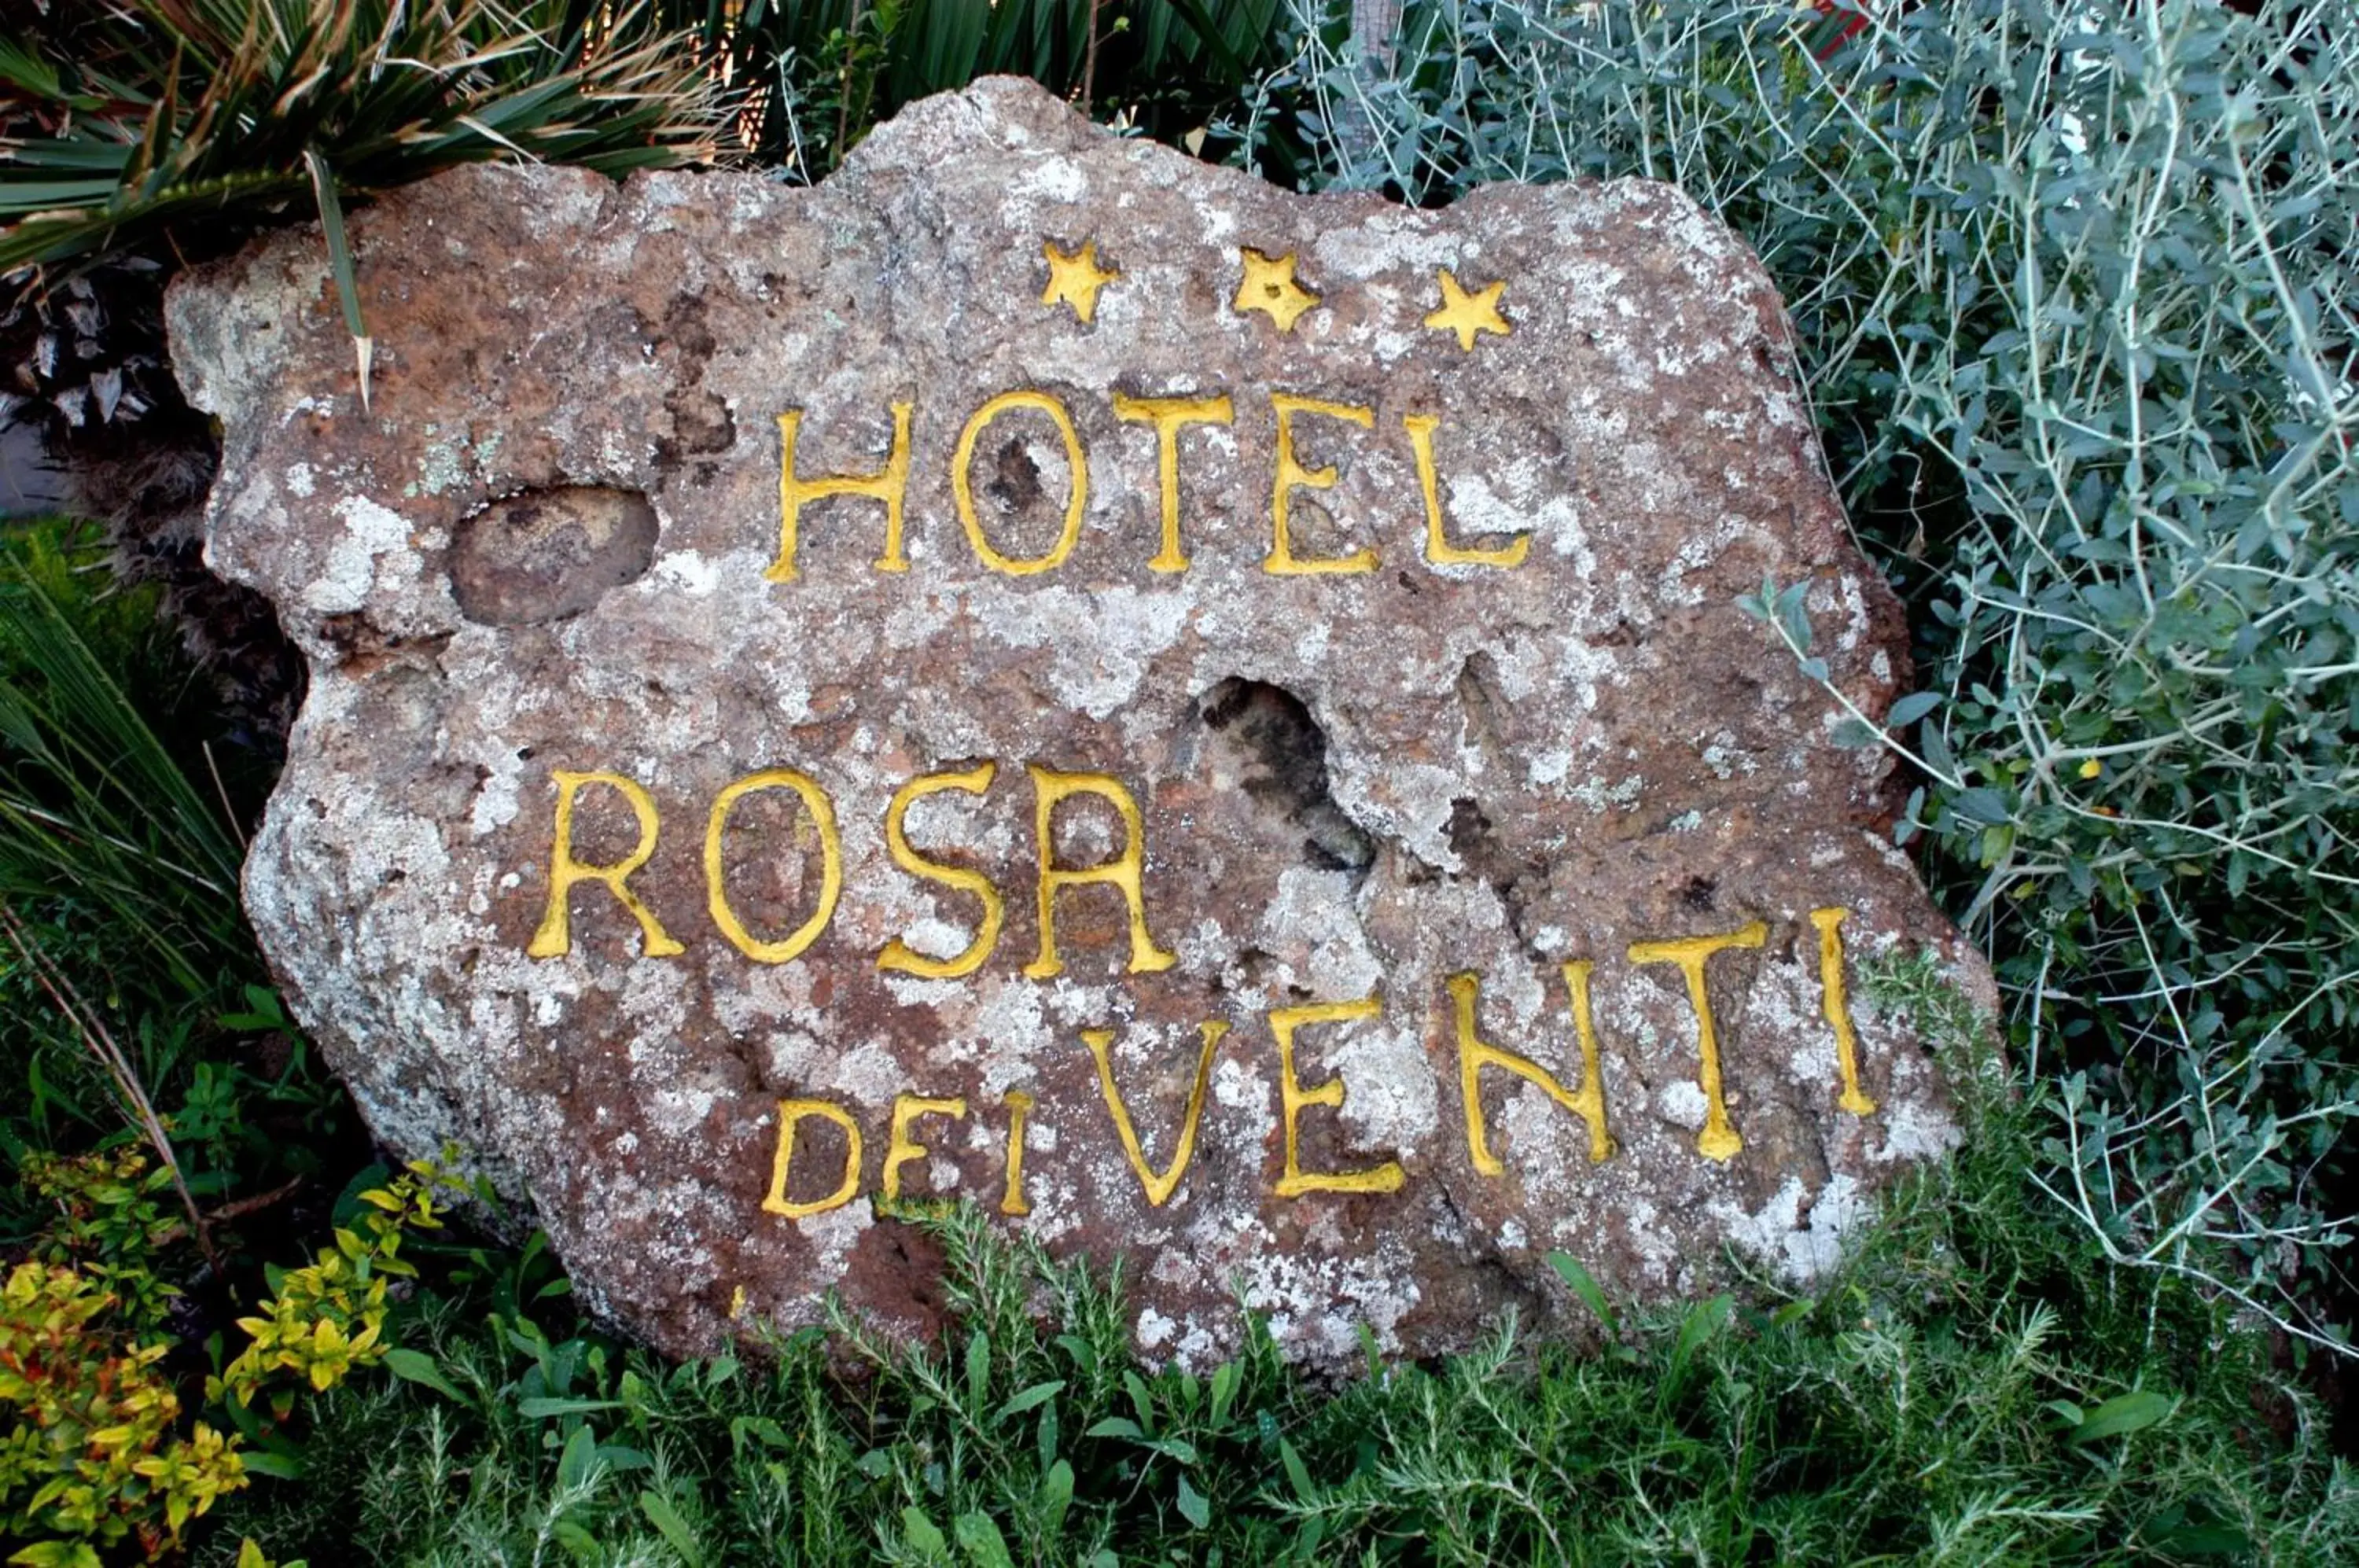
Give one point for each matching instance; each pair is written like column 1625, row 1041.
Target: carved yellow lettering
column 962, row 482
column 1124, row 871
column 1282, row 561
column 1853, row 1098
column 1718, row 1140
column 1170, row 416
column 555, row 937
column 1159, row 1188
column 898, row 954
column 830, row 851
column 901, row 1147
column 1019, row 1107
column 1588, row 1102
column 790, row 1115
column 1294, row 1098
column 889, row 484
column 1438, row 548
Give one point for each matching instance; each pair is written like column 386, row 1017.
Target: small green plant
column 108, row 1221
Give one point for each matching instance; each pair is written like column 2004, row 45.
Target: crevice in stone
column 1482, row 1253
column 361, row 646
column 1275, row 730
column 1481, row 853
column 1478, row 682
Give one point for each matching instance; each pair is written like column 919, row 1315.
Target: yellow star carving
column 1075, row 280
column 1467, row 314
column 1269, row 286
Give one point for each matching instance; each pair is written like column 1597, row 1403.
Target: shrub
column 327, row 1320
column 96, row 1456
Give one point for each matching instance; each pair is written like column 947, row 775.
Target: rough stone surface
column 543, row 548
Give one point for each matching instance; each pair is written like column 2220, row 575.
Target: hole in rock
column 1288, row 751
column 546, row 554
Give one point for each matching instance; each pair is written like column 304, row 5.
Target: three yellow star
column 1467, row 314
column 1269, row 286
column 1075, row 280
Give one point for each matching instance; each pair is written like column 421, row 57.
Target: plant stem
column 100, row 1044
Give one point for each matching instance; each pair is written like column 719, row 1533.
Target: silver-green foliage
column 2075, row 289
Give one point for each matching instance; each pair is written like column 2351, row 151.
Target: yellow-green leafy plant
column 93, row 1456
column 327, row 1321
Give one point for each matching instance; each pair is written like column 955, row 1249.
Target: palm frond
column 168, row 111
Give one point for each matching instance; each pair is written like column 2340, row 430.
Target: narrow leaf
column 1029, row 1398
column 1583, row 1285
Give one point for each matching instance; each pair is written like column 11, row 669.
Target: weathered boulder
column 1213, row 722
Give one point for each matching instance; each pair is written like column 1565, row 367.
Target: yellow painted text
column 1019, row 1107
column 1438, row 548
column 889, row 484
column 1282, row 561
column 555, row 937
column 1588, row 1102
column 1124, row 872
column 900, row 1148
column 1294, row 1099
column 962, row 482
column 831, row 850
column 1170, row 416
column 1159, row 1186
column 791, row 1113
column 1829, row 922
column 898, row 954
column 1719, row 1140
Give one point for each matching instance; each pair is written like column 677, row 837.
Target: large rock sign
column 1212, row 722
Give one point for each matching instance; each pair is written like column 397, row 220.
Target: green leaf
column 1115, row 1426
column 1225, row 1379
column 1193, row 1506
column 57, row 1554
column 1056, row 1497
column 551, row 1409
column 285, row 1467
column 577, row 1541
column 1031, row 1398
column 578, row 1465
column 1911, row 708
column 339, row 262
column 674, row 1529
column 1298, row 1475
column 2129, row 1412
column 984, row 1546
column 978, row 1369
column 1703, row 1321
column 1140, row 1400
column 417, row 1367
column 919, row 1532
column 1585, row 1286
column 1045, row 1435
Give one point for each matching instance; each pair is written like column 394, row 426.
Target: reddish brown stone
column 550, row 546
